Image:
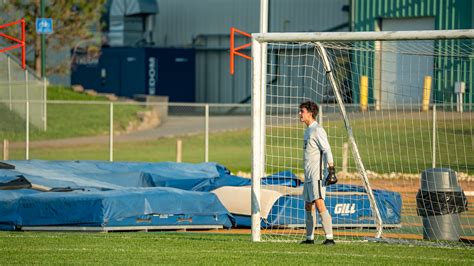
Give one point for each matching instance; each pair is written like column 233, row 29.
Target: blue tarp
column 114, row 194
column 349, row 208
column 107, row 175
column 284, row 178
column 106, row 208
column 345, row 209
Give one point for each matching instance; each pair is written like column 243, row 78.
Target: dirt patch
column 146, row 120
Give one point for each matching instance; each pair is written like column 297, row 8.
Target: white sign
column 344, row 208
column 152, row 75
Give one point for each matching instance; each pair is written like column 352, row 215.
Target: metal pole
column 111, row 135
column 363, row 36
column 320, row 115
column 259, row 79
column 45, row 105
column 258, row 157
column 426, row 93
column 345, row 157
column 27, row 154
column 457, row 102
column 9, row 83
column 460, row 102
column 27, row 118
column 263, row 16
column 206, row 134
column 43, row 44
column 434, row 137
column 27, row 88
column 23, row 46
column 377, row 75
column 364, row 93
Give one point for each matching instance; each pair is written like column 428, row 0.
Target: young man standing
column 316, row 156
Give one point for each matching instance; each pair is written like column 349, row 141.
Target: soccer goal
column 398, row 110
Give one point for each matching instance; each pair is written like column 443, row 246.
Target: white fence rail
column 83, row 125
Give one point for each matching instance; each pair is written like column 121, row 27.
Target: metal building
column 399, row 15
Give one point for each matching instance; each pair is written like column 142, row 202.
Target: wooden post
column 426, row 93
column 179, row 151
column 345, row 157
column 5, row 149
column 364, row 93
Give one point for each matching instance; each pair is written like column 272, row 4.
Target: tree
column 73, row 22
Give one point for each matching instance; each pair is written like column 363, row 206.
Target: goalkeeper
column 316, row 156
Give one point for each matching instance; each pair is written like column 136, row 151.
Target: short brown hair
column 311, row 106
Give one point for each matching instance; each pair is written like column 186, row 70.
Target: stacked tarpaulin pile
column 101, row 194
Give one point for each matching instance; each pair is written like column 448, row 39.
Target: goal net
column 398, row 111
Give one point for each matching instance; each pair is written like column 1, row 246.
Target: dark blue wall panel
column 175, row 68
column 127, row 71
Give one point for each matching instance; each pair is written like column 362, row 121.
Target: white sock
column 327, row 224
column 310, row 217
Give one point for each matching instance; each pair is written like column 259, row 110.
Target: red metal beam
column 10, row 48
column 21, row 42
column 234, row 50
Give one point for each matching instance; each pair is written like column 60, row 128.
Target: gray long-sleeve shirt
column 315, row 143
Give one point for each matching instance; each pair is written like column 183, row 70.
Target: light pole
column 43, row 45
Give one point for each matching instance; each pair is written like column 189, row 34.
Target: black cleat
column 329, row 242
column 307, row 241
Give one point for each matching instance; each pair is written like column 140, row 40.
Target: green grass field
column 206, row 248
column 398, row 152
column 232, row 149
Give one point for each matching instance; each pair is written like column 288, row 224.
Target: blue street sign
column 44, row 25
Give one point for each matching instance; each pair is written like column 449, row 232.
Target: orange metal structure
column 19, row 42
column 235, row 50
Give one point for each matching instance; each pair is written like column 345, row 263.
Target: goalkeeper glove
column 331, row 178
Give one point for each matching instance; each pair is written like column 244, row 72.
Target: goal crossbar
column 363, row 36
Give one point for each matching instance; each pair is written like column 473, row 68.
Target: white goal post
column 261, row 112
